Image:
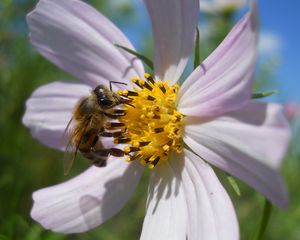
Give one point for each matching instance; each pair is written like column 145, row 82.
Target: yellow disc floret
column 152, row 124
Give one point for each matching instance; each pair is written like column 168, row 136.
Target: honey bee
column 89, row 122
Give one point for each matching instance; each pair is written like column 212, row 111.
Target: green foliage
column 264, row 94
column 144, row 59
column 197, row 50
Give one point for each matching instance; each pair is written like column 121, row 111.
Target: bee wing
column 70, row 155
column 70, row 150
column 67, row 133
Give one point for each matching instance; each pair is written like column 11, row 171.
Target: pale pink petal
column 166, row 214
column 81, row 41
column 87, row 200
column 210, row 211
column 249, row 144
column 222, row 83
column 174, row 25
column 49, row 109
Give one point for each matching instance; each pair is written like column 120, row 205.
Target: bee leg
column 113, row 125
column 88, row 154
column 114, row 116
column 119, row 111
column 99, row 162
column 101, row 153
column 95, row 141
column 116, row 113
column 117, row 152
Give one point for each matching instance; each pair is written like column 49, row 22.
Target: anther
column 146, row 85
column 149, row 78
column 156, row 160
column 143, row 144
column 131, row 149
column 158, row 130
column 132, row 158
column 162, row 87
column 132, row 93
column 147, row 159
column 151, row 98
column 154, row 163
column 137, row 82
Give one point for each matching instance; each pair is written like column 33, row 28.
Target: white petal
column 49, row 109
column 249, row 144
column 210, row 211
column 166, row 216
column 81, row 41
column 87, row 200
column 223, row 82
column 174, row 25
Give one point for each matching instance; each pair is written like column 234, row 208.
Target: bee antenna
column 110, row 82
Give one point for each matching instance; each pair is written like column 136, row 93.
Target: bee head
column 104, row 97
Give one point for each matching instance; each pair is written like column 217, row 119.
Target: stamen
column 136, row 81
column 132, row 158
column 143, row 144
column 153, row 125
column 162, row 88
column 146, row 85
column 154, row 162
column 131, row 93
column 151, row 98
column 131, row 149
column 158, row 130
column 149, row 78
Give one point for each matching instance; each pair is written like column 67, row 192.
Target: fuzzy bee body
column 89, row 122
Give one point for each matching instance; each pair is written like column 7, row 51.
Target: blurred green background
column 26, row 165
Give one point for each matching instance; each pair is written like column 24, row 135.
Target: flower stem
column 264, row 221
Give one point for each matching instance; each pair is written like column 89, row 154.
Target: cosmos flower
column 291, row 110
column 217, row 6
column 209, row 119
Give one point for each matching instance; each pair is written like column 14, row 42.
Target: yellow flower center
column 152, row 125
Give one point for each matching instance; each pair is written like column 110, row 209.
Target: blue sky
column 280, row 39
column 282, row 18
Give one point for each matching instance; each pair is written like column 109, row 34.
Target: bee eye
column 105, row 102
